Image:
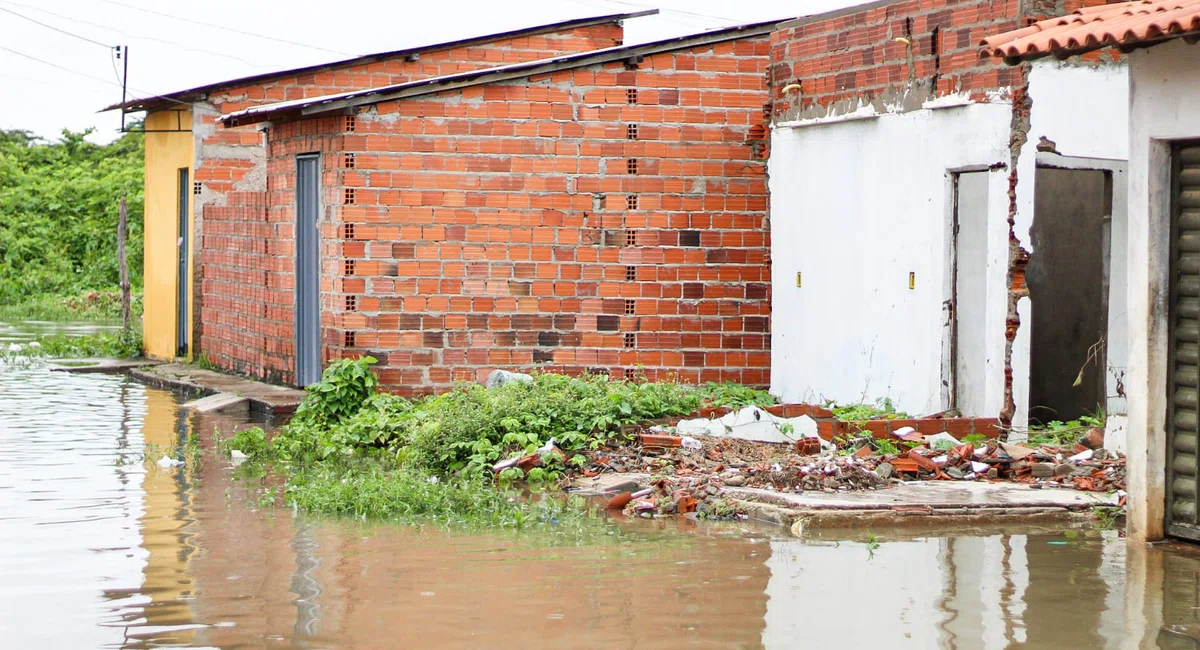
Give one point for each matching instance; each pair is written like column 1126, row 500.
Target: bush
column 58, row 213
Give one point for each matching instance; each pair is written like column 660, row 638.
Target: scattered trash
column 237, row 457
column 691, row 443
column 167, row 461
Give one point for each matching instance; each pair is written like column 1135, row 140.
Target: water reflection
column 103, row 550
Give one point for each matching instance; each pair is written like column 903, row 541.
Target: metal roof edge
column 335, row 103
column 194, row 93
column 836, row 13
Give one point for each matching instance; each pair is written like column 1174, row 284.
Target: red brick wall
column 856, row 54
column 491, row 227
column 249, row 272
column 222, row 173
column 230, row 168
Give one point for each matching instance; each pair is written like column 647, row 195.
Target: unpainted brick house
column 601, row 211
column 947, row 232
column 193, row 166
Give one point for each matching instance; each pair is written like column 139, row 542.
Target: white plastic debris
column 432, row 480
column 978, row 467
column 753, row 424
column 167, row 461
column 980, row 452
column 941, row 460
column 691, row 443
column 546, row 448
column 500, row 377
column 1082, row 456
column 35, row 345
column 14, row 348
column 903, row 431
column 237, row 457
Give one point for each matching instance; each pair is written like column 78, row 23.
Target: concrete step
column 220, row 402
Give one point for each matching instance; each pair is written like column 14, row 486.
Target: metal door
column 308, row 280
column 1183, row 386
column 181, row 276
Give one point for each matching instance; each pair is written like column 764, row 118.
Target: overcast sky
column 185, row 43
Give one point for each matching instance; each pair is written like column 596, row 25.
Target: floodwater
column 101, row 549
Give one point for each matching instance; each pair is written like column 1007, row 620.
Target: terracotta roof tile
column 1125, row 25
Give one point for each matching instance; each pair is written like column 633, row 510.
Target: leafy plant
column 882, row 409
column 735, row 396
column 886, row 447
column 1057, row 433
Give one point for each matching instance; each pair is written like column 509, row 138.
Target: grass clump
column 123, row 344
column 91, row 306
column 350, row 450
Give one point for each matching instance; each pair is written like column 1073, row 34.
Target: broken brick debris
column 693, row 481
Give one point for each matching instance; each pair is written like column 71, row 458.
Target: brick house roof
column 1127, row 26
column 191, row 94
column 631, row 53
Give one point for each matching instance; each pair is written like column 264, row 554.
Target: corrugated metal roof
column 1127, row 26
column 342, row 101
column 191, row 94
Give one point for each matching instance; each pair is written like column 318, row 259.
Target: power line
column 61, row 31
column 224, row 28
column 63, row 68
column 146, row 95
column 150, row 39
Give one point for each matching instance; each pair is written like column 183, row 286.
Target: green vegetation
column 736, row 395
column 352, row 451
column 1064, row 434
column 90, row 306
column 58, row 222
column 882, row 409
column 123, row 344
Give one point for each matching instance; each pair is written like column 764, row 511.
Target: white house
column 947, row 232
column 1163, row 380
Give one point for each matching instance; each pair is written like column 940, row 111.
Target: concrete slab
column 263, row 398
column 220, row 402
column 924, row 504
column 102, row 365
column 933, row 495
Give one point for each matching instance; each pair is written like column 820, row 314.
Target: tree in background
column 58, row 213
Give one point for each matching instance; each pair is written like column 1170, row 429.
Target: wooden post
column 122, row 233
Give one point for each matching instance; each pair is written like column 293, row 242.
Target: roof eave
column 479, row 77
column 193, row 94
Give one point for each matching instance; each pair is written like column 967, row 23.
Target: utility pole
column 122, row 234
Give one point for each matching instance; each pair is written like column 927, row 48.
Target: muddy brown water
column 101, row 548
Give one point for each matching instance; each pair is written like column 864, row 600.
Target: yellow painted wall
column 166, row 154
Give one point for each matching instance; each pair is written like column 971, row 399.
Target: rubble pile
column 691, row 473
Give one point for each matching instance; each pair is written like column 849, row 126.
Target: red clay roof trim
column 1126, row 25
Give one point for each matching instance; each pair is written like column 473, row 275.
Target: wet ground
column 103, row 550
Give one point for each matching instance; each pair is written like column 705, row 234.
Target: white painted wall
column 1084, row 110
column 1165, row 90
column 856, row 206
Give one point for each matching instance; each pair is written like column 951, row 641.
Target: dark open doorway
column 1067, row 277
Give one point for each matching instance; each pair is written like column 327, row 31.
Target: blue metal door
column 308, row 276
